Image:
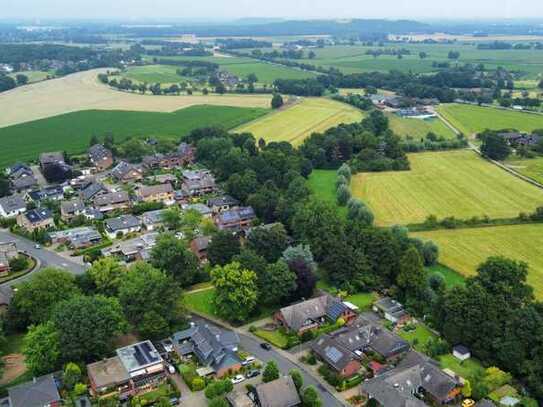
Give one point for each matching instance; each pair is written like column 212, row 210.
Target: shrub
column 343, row 195
column 218, row 388
column 197, row 384
column 18, row 263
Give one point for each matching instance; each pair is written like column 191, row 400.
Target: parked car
column 171, row 369
column 174, row 401
column 265, row 345
column 237, row 379
column 248, row 360
column 252, row 373
column 37, row 246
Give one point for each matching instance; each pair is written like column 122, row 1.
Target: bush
column 330, row 376
column 343, row 195
column 19, row 263
column 196, row 384
column 218, row 388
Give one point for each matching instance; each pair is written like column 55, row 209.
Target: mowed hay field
column 153, row 74
column 81, row 91
column 471, row 119
column 453, row 183
column 417, row 128
column 71, row 132
column 464, row 249
column 295, row 123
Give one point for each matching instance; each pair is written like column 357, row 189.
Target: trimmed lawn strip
column 451, row 277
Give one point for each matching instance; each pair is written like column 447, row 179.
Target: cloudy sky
column 227, row 9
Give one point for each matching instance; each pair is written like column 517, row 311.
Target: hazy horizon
column 301, row 9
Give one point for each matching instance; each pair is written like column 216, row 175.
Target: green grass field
column 470, row 369
column 71, row 132
column 530, row 167
column 451, row 277
column 418, row 129
column 33, row 76
column 474, row 119
column 295, row 123
column 464, row 249
column 363, row 301
column 323, row 185
column 418, row 337
column 454, row 183
column 153, row 74
column 201, row 301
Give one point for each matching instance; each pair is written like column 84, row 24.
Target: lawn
column 276, row 338
column 464, row 249
column 454, row 183
column 295, row 123
column 153, row 74
column 201, row 302
column 71, row 132
column 451, row 277
column 471, row 119
column 323, row 185
column 418, row 337
column 530, row 167
column 418, row 129
column 468, row 369
column 364, row 301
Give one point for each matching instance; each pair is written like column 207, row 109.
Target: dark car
column 265, row 345
column 252, row 373
column 174, row 401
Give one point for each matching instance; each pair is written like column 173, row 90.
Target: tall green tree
column 271, row 372
column 311, row 398
column 172, row 256
column 279, row 283
column 222, row 248
column 106, row 273
column 235, row 291
column 41, row 348
column 495, row 147
column 268, row 241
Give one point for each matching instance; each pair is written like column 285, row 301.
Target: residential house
column 11, row 206
column 36, row 219
column 125, row 172
column 51, row 159
column 239, row 399
column 166, row 161
column 135, row 369
column 345, row 362
column 39, row 392
column 391, row 310
column 153, row 220
column 112, row 201
column 278, row 393
column 77, row 238
column 235, row 220
column 93, row 214
column 312, row 313
column 91, row 191
column 156, row 193
column 461, row 353
column 100, row 157
column 133, row 249
column 163, row 179
column 71, row 209
column 8, row 252
column 516, row 139
column 202, row 209
column 51, row 193
column 197, row 183
column 22, row 178
column 199, row 247
column 122, row 225
column 187, row 152
column 214, row 347
column 222, row 204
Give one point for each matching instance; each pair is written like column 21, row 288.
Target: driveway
column 47, row 258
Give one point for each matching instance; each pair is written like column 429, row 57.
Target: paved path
column 45, row 257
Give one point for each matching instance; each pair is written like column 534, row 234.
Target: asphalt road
column 46, row 257
column 252, row 346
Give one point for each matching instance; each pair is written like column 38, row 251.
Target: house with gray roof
column 51, row 193
column 91, row 191
column 112, row 201
column 125, row 172
column 153, row 219
column 222, row 203
column 278, row 393
column 123, row 225
column 199, row 182
column 77, row 238
column 39, row 392
column 23, row 179
column 71, row 209
column 214, row 347
column 100, row 157
column 11, row 206
column 344, row 361
column 390, row 309
column 35, row 219
column 236, row 219
column 132, row 249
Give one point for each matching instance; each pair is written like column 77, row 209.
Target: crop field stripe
column 464, row 249
column 454, row 183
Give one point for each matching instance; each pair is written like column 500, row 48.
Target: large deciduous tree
column 41, row 348
column 268, row 241
column 172, row 256
column 222, row 248
column 106, row 273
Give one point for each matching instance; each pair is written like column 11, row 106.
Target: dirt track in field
column 82, row 91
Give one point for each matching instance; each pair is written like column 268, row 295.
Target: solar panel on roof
column 139, row 356
column 333, row 354
column 149, row 352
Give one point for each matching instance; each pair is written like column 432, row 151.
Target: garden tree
column 347, row 267
column 318, row 225
column 277, row 101
column 264, row 201
column 345, row 171
column 222, row 248
column 134, row 150
column 466, row 389
column 36, row 297
column 341, row 181
column 240, row 186
column 21, row 79
column 423, row 55
column 298, row 191
column 430, row 253
column 495, row 147
column 172, row 256
column 268, row 241
column 300, row 253
column 71, row 375
column 172, row 218
column 495, row 377
column 106, row 274
column 306, row 280
column 249, row 260
column 311, row 398
column 411, row 275
column 252, row 78
column 297, row 378
column 358, row 212
column 235, row 291
column 278, row 284
column 271, row 372
column 87, row 326
column 218, row 388
column 41, row 349
column 343, row 195
column 218, row 402
column 147, row 293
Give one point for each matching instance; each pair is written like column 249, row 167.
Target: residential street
column 46, row 258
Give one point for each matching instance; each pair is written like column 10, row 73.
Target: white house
column 11, row 206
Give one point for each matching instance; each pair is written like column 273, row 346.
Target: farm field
column 33, row 76
column 295, row 123
column 464, row 249
column 454, row 183
column 153, row 74
column 81, row 91
column 417, row 128
column 530, row 167
column 470, row 119
column 71, row 132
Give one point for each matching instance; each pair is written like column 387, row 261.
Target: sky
column 299, row 9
